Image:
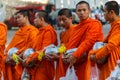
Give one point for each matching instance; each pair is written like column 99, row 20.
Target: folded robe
column 83, row 36
column 22, row 40
column 111, row 50
column 3, row 39
column 45, row 69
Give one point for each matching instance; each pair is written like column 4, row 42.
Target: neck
column 44, row 24
column 68, row 27
column 26, row 24
column 84, row 19
column 114, row 19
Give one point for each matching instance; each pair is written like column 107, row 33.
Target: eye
column 84, row 9
column 79, row 10
column 63, row 19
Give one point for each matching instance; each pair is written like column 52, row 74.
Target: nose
column 34, row 20
column 82, row 12
column 17, row 19
column 61, row 22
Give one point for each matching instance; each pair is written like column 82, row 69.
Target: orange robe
column 64, row 39
column 111, row 49
column 22, row 40
column 3, row 39
column 65, row 35
column 44, row 69
column 83, row 36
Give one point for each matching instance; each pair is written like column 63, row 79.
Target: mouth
column 18, row 23
column 35, row 23
column 63, row 25
column 81, row 15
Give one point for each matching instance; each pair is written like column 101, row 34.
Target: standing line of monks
column 83, row 36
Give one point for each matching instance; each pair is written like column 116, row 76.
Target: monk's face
column 21, row 20
column 82, row 11
column 37, row 20
column 107, row 14
column 64, row 21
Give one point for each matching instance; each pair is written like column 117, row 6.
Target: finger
column 48, row 57
column 92, row 57
column 71, row 64
column 65, row 57
column 9, row 60
column 66, row 61
column 55, row 56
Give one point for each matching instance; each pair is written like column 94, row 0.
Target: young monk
column 3, row 39
column 22, row 40
column 44, row 70
column 65, row 20
column 83, row 36
column 110, row 52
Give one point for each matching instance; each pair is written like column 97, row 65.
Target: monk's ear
column 42, row 19
column 71, row 17
column 89, row 9
column 111, row 12
column 26, row 17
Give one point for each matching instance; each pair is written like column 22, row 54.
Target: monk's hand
column 118, row 62
column 65, row 58
column 93, row 57
column 10, row 61
column 92, row 52
column 24, row 63
column 72, row 60
column 49, row 56
column 52, row 56
column 21, row 55
column 28, row 63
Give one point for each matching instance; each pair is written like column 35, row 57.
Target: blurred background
column 9, row 7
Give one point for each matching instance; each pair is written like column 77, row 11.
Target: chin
column 82, row 18
column 19, row 25
column 36, row 25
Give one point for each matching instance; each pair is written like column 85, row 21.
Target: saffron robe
column 111, row 49
column 22, row 40
column 3, row 39
column 44, row 70
column 83, row 36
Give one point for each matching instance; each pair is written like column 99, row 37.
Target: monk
column 83, row 36
column 65, row 20
column 110, row 52
column 22, row 40
column 3, row 39
column 44, row 69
